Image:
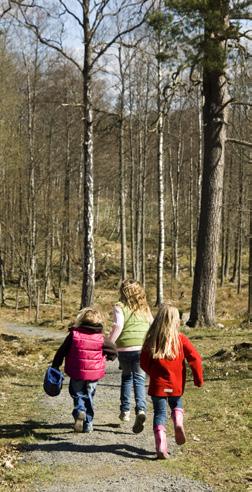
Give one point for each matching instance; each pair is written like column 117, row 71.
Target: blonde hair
column 132, row 294
column 90, row 315
column 162, row 338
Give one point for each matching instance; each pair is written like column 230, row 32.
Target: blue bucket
column 53, row 381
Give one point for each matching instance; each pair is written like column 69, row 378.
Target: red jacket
column 167, row 377
column 85, row 359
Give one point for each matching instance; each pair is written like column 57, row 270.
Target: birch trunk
column 145, row 146
column 161, row 231
column 31, row 237
column 88, row 248
column 65, row 235
column 49, row 225
column 2, row 273
column 139, row 217
column 240, row 207
column 200, row 158
column 190, row 191
column 175, row 193
column 132, row 191
column 228, row 219
column 250, row 251
column 122, row 199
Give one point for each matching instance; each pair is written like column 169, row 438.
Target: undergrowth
column 216, row 416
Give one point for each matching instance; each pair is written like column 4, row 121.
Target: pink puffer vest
column 85, row 359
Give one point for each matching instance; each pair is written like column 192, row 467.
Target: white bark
column 161, row 213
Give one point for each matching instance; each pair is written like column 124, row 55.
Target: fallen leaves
column 9, row 456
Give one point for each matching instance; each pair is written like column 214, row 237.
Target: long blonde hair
column 132, row 294
column 162, row 338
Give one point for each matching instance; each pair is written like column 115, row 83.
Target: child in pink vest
column 85, row 350
column 163, row 357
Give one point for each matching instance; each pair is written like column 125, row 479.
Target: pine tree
column 205, row 29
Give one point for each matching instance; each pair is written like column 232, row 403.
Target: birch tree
column 32, row 71
column 90, row 19
column 122, row 185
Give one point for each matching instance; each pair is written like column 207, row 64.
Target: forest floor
column 39, row 452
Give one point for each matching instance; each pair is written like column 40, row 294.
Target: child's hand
column 198, row 382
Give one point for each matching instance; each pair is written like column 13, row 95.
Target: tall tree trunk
column 79, row 222
column 215, row 120
column 2, row 273
column 200, row 159
column 250, row 250
column 190, row 191
column 139, row 218
column 132, row 191
column 240, row 207
column 31, row 237
column 49, row 224
column 122, row 176
column 223, row 240
column 88, row 248
column 161, row 229
column 175, row 193
column 145, row 150
column 228, row 219
column 65, row 273
column 236, row 256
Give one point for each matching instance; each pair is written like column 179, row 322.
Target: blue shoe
column 88, row 427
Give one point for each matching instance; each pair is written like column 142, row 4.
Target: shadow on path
column 30, row 427
column 124, row 450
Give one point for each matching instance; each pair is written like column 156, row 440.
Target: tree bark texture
column 88, row 249
column 161, row 231
column 250, row 251
column 214, row 120
column 122, row 197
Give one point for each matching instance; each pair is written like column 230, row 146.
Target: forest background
column 104, row 149
column 125, row 151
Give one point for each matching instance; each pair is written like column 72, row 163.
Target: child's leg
column 139, row 393
column 76, row 390
column 159, row 425
column 138, row 383
column 89, row 393
column 177, row 415
column 126, row 383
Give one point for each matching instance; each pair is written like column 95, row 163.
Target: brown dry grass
column 217, row 417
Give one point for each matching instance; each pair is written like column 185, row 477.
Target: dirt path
column 112, row 458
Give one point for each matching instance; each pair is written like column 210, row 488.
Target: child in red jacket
column 163, row 359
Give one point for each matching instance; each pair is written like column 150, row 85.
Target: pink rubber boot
column 160, row 441
column 178, row 417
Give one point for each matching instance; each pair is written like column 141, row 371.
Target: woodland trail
column 111, row 458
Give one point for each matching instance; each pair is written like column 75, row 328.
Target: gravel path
column 111, row 458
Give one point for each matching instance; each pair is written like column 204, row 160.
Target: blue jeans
column 132, row 373
column 83, row 393
column 160, row 407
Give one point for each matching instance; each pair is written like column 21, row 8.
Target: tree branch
column 72, row 14
column 239, row 142
column 51, row 44
column 119, row 35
